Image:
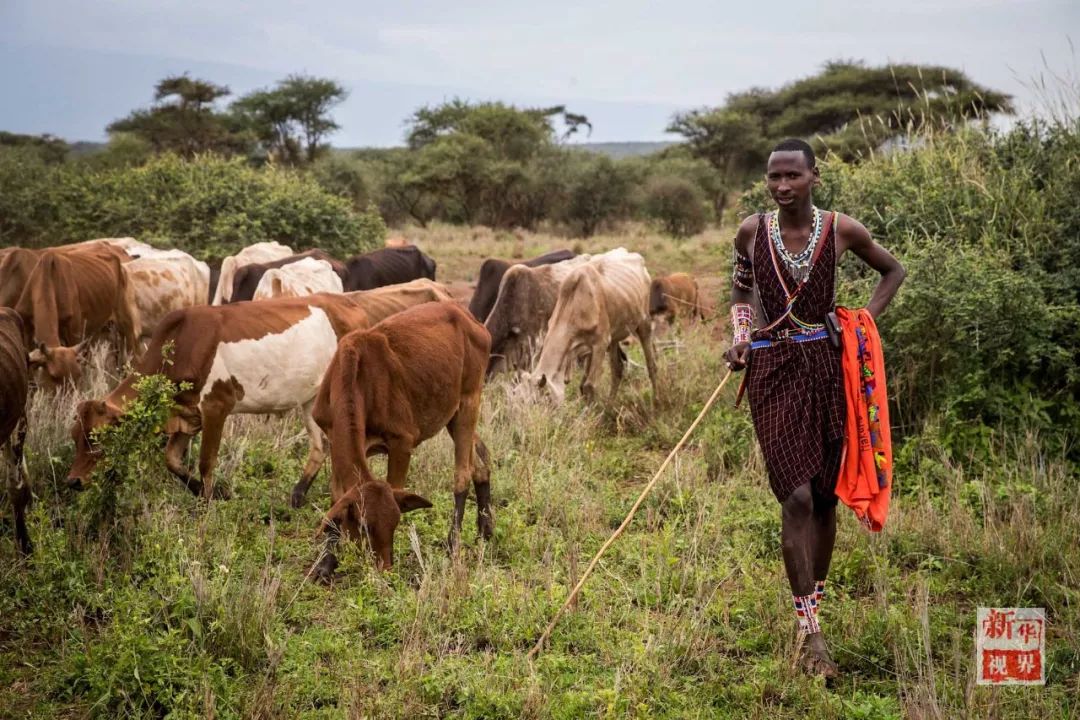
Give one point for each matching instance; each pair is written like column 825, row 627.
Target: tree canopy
column 292, row 120
column 847, row 109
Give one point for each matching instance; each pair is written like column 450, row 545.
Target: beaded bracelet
column 742, row 275
column 742, row 322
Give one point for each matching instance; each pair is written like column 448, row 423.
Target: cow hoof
column 453, row 544
column 485, row 526
column 324, row 570
column 298, row 494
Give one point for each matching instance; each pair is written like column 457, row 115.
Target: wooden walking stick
column 629, row 516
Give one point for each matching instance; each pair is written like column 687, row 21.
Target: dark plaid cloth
column 796, row 390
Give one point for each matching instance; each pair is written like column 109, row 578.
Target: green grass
column 196, row 611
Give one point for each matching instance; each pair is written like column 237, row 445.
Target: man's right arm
column 742, row 297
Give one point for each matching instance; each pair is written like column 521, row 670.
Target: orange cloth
column 865, row 480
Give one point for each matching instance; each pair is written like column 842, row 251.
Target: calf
column 387, row 266
column 600, row 303
column 69, row 297
column 14, row 380
column 673, row 296
column 491, row 274
column 257, row 253
column 243, row 358
column 517, row 322
column 163, row 281
column 247, row 279
column 304, row 277
column 387, row 390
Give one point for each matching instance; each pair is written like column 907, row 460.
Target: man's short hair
column 797, row 145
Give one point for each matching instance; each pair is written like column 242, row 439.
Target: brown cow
column 673, row 296
column 520, row 316
column 379, row 396
column 70, row 296
column 490, row 278
column 14, row 379
column 16, row 264
column 262, row 357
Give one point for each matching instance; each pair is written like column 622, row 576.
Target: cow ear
column 408, row 501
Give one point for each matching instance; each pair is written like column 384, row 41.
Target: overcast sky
column 69, row 67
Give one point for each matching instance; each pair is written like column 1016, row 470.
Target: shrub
column 676, row 205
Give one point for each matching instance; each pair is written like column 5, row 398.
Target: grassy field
column 186, row 610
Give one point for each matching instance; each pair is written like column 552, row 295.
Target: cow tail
column 127, row 312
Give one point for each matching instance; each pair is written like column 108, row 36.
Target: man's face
column 789, row 179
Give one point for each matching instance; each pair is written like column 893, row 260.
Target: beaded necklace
column 798, row 264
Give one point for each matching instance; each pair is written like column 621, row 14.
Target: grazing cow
column 14, row 380
column 260, row 357
column 246, row 280
column 491, row 273
column 306, row 277
column 17, row 263
column 378, row 397
column 387, row 266
column 166, row 280
column 673, row 296
column 70, row 297
column 257, row 253
column 600, row 303
column 520, row 316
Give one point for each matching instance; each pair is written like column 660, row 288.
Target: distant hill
column 619, row 150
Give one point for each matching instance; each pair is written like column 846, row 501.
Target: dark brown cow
column 673, row 296
column 378, row 397
column 14, row 379
column 246, row 280
column 387, row 266
column 491, row 274
column 256, row 357
column 69, row 297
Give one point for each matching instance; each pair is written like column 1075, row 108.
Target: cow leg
column 462, row 429
column 644, row 335
column 19, row 488
column 328, row 561
column 618, row 367
column 316, row 457
column 175, row 452
column 215, row 409
column 399, row 453
column 481, row 476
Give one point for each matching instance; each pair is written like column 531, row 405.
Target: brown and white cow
column 600, row 303
column 304, row 277
column 673, row 296
column 387, row 390
column 257, row 253
column 264, row 357
column 71, row 296
column 14, row 381
column 519, row 318
column 247, row 278
column 491, row 274
column 166, row 280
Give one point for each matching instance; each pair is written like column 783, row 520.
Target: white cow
column 166, row 280
column 600, row 303
column 303, row 277
column 259, row 252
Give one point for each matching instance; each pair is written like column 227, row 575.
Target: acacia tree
column 848, row 109
column 185, row 120
column 292, row 119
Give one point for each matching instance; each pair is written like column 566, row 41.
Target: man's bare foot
column 816, row 659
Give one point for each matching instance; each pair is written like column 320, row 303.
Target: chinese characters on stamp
column 1010, row 645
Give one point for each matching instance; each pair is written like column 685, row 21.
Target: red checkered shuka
column 796, row 390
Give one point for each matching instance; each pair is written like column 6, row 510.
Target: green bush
column 206, row 206
column 676, row 205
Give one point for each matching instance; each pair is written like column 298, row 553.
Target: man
column 794, row 382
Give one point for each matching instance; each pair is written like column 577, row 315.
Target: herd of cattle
column 377, row 355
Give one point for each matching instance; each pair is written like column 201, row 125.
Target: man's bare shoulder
column 850, row 232
column 744, row 238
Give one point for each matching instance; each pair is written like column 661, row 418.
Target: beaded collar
column 798, row 264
